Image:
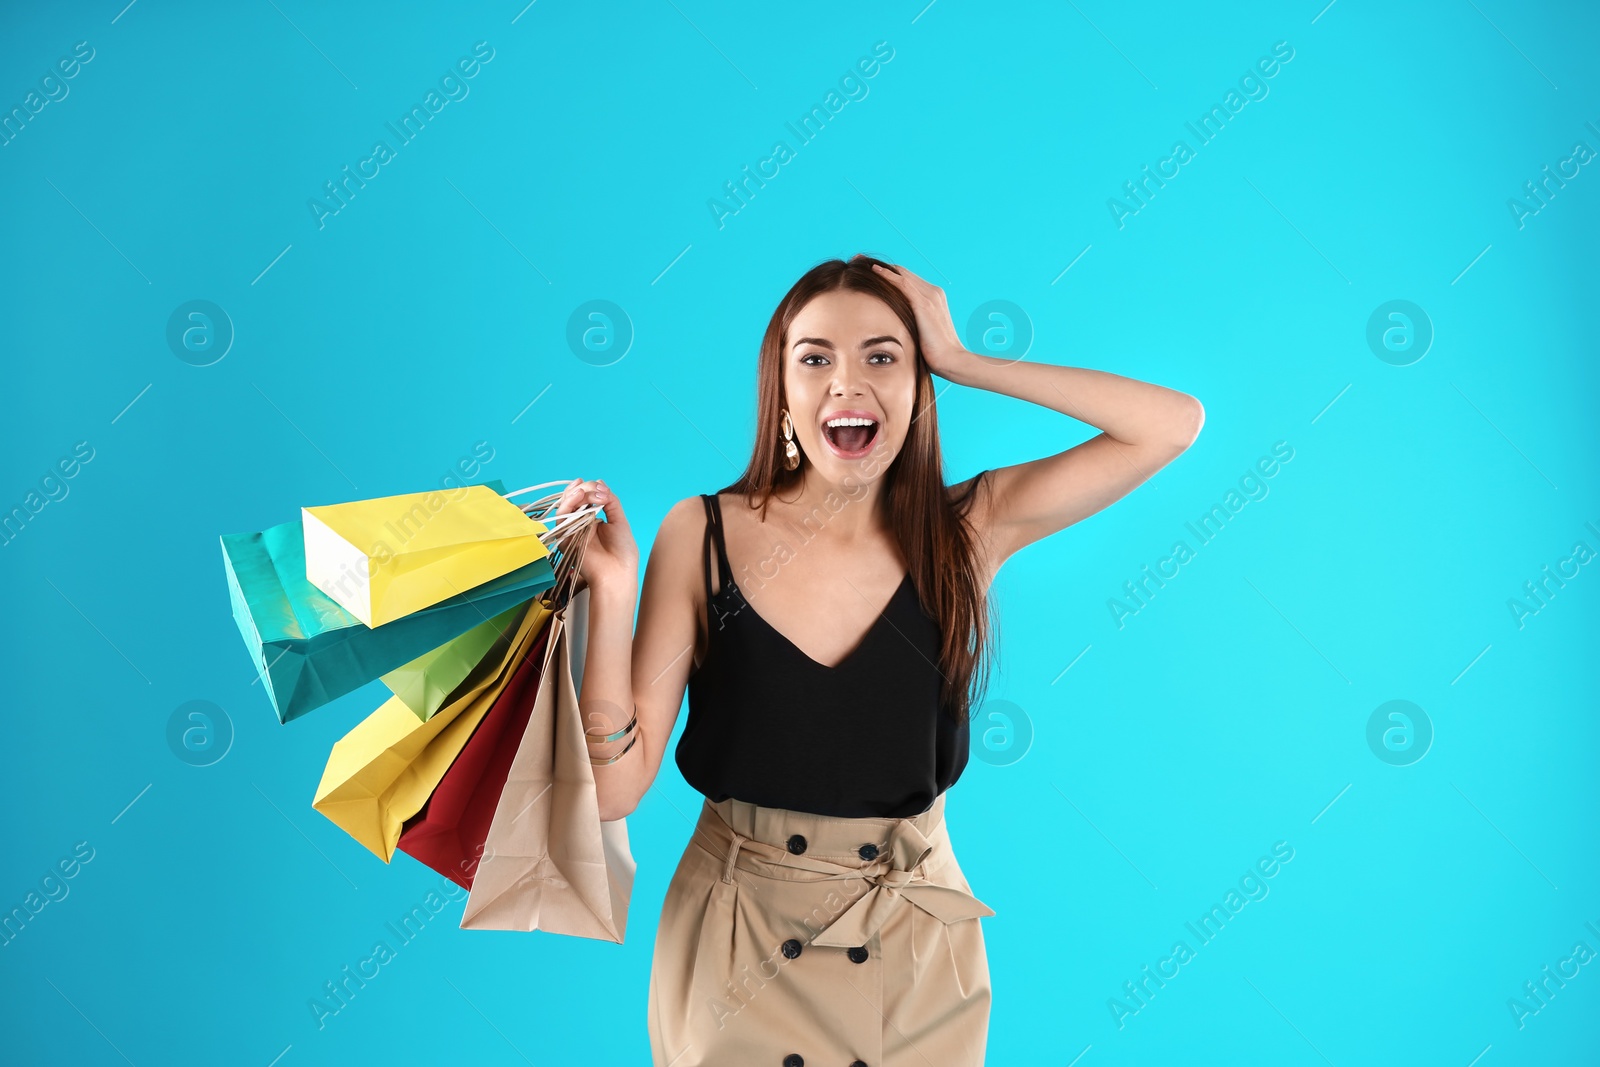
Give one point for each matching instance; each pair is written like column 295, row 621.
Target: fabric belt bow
column 899, row 875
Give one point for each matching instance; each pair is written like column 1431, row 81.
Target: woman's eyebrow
column 824, row 343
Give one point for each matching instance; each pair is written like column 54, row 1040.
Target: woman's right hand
column 611, row 558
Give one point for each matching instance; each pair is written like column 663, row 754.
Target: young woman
column 827, row 612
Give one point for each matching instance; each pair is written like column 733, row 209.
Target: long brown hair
column 933, row 531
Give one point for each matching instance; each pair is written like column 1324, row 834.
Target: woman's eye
column 888, row 357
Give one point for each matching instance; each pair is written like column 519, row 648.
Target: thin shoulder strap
column 714, row 532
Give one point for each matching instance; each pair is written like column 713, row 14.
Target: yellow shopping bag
column 382, row 772
column 385, row 558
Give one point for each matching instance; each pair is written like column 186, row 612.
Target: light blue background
column 431, row 311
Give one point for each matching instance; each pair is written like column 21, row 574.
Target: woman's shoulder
column 685, row 516
column 684, row 525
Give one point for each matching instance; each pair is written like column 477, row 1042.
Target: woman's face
column 849, row 357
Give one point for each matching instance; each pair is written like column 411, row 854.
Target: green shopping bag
column 426, row 682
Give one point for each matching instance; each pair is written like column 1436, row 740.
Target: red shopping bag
column 448, row 834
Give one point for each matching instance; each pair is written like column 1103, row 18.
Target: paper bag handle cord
column 541, row 485
column 568, row 558
column 555, row 531
column 543, row 503
column 539, row 507
column 573, row 556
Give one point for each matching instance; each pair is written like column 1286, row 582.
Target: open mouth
column 851, row 436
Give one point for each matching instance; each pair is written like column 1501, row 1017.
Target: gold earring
column 791, row 453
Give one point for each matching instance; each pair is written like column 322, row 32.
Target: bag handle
column 565, row 538
column 569, row 556
column 560, row 529
column 541, row 485
column 543, row 502
column 546, row 502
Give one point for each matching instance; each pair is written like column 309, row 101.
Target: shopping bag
column 549, row 863
column 389, row 557
column 449, row 832
column 424, row 683
column 308, row 650
column 382, row 772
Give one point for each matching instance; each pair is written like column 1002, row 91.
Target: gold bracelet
column 619, row 755
column 595, row 739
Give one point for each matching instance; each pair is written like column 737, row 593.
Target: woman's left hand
column 941, row 345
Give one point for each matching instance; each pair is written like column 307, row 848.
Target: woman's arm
column 606, row 700
column 1144, row 427
column 647, row 668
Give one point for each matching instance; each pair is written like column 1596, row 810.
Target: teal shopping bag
column 309, row 651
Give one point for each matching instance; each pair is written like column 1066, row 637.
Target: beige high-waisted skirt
column 796, row 940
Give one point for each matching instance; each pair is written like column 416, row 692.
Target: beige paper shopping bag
column 549, row 862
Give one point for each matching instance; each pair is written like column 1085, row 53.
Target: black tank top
column 770, row 725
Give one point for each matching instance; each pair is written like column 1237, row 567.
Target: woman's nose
column 846, row 381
